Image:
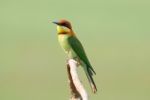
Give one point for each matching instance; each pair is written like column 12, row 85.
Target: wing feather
column 79, row 50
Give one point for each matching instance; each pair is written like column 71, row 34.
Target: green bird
column 74, row 49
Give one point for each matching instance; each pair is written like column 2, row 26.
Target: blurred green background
column 115, row 34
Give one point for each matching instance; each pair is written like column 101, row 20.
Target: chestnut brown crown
column 64, row 23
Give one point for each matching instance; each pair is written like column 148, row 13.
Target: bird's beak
column 56, row 22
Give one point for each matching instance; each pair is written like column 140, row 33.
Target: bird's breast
column 64, row 43
column 63, row 40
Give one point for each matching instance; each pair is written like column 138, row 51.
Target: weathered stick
column 74, row 93
column 77, row 90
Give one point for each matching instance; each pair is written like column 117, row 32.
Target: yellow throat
column 62, row 29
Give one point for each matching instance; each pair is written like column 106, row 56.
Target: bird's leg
column 78, row 61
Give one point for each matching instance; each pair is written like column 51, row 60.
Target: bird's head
column 63, row 26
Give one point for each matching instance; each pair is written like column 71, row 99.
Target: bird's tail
column 90, row 79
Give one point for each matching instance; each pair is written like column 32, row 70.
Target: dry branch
column 77, row 90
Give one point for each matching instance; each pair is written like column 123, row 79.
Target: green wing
column 79, row 50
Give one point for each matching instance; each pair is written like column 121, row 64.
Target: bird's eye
column 64, row 24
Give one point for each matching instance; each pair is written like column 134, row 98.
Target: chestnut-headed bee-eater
column 74, row 49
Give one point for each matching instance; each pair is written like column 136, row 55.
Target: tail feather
column 90, row 79
column 92, row 70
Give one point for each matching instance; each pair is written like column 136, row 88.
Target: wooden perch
column 77, row 90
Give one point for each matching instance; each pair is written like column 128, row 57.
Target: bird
column 74, row 49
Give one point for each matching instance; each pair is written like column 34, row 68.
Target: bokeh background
column 115, row 34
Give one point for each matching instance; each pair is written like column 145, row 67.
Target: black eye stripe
column 66, row 25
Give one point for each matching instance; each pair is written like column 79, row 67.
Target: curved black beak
column 55, row 22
